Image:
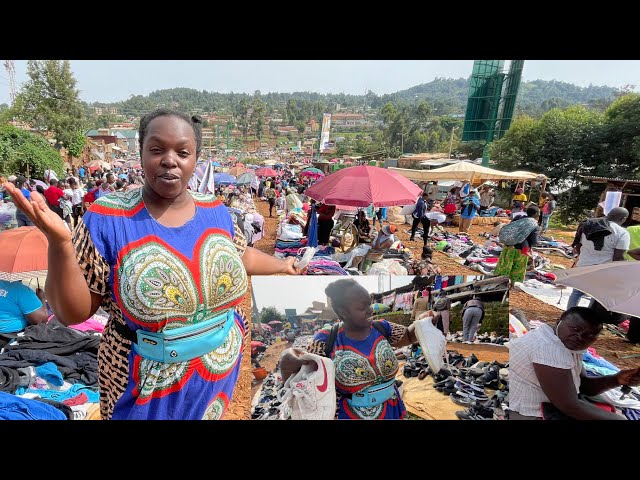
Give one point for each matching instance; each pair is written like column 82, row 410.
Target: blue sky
column 116, row 80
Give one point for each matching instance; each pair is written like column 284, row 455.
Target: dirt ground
column 484, row 352
column 269, row 362
column 240, row 405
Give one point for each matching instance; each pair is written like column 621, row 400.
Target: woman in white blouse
column 545, row 367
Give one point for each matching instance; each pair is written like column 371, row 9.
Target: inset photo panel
column 574, row 348
column 379, row 347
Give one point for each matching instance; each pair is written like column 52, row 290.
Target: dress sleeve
column 239, row 239
column 93, row 265
column 319, row 342
column 395, row 331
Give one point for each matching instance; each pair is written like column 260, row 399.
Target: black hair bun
column 196, row 119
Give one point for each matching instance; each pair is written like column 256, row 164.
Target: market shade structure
column 312, row 170
column 614, row 285
column 310, row 173
column 224, row 179
column 464, row 171
column 267, row 172
column 246, row 178
column 235, row 171
column 24, row 254
column 364, row 185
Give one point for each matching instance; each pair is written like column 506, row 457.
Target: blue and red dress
column 360, row 364
column 155, row 277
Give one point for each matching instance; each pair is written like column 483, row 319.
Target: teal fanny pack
column 373, row 395
column 184, row 343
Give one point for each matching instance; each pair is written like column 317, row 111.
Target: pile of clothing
column 49, row 371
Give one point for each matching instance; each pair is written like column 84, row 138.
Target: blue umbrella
column 312, row 236
column 224, row 179
column 216, row 164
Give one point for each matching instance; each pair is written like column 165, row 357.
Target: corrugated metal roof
column 609, row 179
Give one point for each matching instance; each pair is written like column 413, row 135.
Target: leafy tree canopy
column 19, row 148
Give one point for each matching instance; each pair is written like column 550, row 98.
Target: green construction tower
column 492, row 99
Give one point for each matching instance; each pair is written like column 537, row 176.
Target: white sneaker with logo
column 313, row 389
column 433, row 343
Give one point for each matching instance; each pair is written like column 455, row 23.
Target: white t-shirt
column 619, row 239
column 77, row 196
column 543, row 347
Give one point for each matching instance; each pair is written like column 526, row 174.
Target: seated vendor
column 20, row 307
column 385, row 239
column 545, row 367
column 364, row 228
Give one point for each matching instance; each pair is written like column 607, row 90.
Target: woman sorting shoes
column 365, row 363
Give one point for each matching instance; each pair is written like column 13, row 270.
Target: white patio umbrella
column 614, row 285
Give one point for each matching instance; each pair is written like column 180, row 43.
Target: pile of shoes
column 465, row 380
column 491, row 338
column 302, row 341
column 480, row 338
column 270, row 404
column 416, row 367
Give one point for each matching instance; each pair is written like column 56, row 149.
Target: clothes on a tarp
column 55, row 338
column 9, row 379
column 61, row 395
column 81, row 367
column 64, row 409
column 13, row 407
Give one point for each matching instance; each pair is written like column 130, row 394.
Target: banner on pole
column 324, row 133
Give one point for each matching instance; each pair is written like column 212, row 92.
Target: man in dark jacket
column 420, row 216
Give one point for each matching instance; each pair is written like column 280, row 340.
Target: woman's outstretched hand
column 289, row 267
column 47, row 221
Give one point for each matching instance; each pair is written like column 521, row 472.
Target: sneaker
column 313, row 390
column 475, row 412
column 433, row 343
column 461, row 400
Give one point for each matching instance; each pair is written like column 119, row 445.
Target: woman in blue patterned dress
column 362, row 355
column 170, row 267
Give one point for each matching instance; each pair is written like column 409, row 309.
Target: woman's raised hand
column 40, row 214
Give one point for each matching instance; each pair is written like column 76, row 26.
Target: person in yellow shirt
column 633, row 252
column 519, row 201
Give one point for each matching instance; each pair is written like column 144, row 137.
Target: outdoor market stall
column 475, row 175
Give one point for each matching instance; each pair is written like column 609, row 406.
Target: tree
column 22, row 152
column 76, row 147
column 623, row 136
column 49, row 100
column 269, row 314
column 564, row 145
